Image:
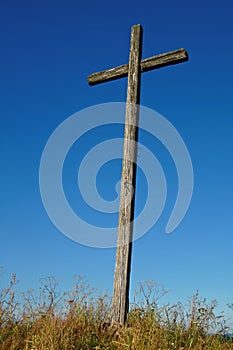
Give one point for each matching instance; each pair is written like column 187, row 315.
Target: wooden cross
column 127, row 197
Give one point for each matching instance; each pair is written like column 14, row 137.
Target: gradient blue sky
column 48, row 48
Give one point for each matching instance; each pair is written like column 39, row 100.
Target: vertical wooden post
column 128, row 181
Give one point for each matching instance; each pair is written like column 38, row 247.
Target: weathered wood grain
column 127, row 196
column 158, row 61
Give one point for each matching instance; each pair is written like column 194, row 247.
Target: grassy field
column 48, row 319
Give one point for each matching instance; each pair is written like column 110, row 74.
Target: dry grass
column 80, row 320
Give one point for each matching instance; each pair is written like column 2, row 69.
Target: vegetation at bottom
column 49, row 319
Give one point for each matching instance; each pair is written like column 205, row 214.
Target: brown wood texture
column 128, row 181
column 158, row 61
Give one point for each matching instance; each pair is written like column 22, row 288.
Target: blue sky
column 48, row 49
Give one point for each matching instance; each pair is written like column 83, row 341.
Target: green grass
column 80, row 319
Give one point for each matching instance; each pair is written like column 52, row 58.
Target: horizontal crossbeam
column 158, row 61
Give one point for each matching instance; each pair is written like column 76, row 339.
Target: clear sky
column 48, row 48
